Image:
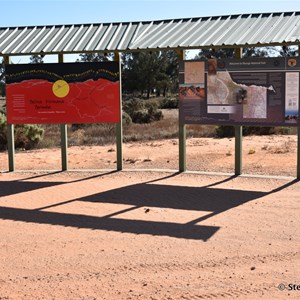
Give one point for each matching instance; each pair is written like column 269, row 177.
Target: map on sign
column 63, row 93
column 251, row 91
column 222, row 90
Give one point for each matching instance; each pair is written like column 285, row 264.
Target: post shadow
column 12, row 187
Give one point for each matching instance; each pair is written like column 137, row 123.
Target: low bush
column 224, row 131
column 228, row 131
column 169, row 103
column 126, row 119
column 143, row 111
column 3, row 130
column 26, row 136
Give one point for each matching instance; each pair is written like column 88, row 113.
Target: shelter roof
column 244, row 30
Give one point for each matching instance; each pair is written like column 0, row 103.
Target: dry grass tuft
column 251, row 151
column 284, row 147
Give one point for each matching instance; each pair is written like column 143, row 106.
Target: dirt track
column 147, row 235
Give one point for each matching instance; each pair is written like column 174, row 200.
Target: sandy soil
column 152, row 235
column 267, row 155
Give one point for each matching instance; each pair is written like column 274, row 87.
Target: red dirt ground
column 152, row 235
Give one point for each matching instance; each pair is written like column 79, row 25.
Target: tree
column 95, row 57
column 36, row 59
column 269, row 51
column 170, row 60
column 215, row 53
column 2, row 79
column 149, row 71
column 289, row 51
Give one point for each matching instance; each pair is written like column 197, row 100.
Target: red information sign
column 63, row 93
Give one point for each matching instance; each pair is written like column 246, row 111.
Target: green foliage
column 254, row 130
column 228, row 131
column 126, row 119
column 270, row 51
column 2, row 72
column 224, row 131
column 26, row 136
column 148, row 72
column 142, row 111
column 3, row 130
column 2, row 89
column 36, row 59
column 168, row 103
column 2, row 79
column 212, row 53
column 94, row 57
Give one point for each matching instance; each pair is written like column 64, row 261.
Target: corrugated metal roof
column 221, row 31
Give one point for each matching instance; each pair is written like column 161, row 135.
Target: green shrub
column 255, row 130
column 126, row 118
column 3, row 130
column 28, row 136
column 224, row 131
column 286, row 130
column 169, row 103
column 228, row 131
column 143, row 111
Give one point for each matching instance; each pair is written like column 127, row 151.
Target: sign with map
column 63, row 93
column 253, row 91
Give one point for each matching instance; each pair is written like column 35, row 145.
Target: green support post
column 298, row 154
column 63, row 135
column 10, row 136
column 238, row 149
column 238, row 132
column 182, row 131
column 119, row 136
column 182, row 147
column 11, row 147
column 64, row 146
column 298, row 143
column 119, row 126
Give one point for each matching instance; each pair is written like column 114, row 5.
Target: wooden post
column 238, row 133
column 119, row 126
column 10, row 136
column 63, row 134
column 182, row 132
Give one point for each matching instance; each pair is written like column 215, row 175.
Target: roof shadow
column 12, row 187
column 210, row 200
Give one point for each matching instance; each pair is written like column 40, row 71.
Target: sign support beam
column 238, row 130
column 298, row 141
column 298, row 152
column 119, row 126
column 182, row 132
column 10, row 136
column 63, row 134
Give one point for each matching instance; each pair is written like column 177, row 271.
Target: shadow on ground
column 208, row 199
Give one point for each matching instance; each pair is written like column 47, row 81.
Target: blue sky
column 58, row 12
column 44, row 12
